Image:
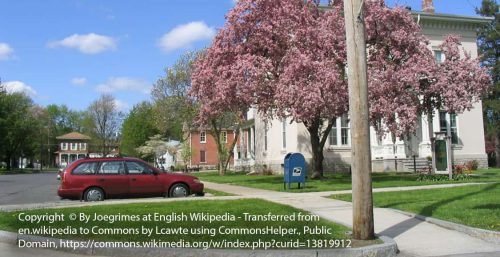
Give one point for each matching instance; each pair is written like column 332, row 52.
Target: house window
column 333, row 134
column 73, row 146
column 265, row 136
column 83, row 146
column 344, row 126
column 439, row 56
column 283, row 129
column 453, row 129
column 224, row 136
column 249, row 142
column 203, row 157
column 203, row 137
column 64, row 146
column 340, row 134
column 449, row 122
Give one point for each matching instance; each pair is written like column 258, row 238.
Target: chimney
column 427, row 6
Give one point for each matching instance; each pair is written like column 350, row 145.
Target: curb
column 386, row 249
column 483, row 234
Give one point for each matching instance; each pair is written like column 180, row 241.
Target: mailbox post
column 295, row 170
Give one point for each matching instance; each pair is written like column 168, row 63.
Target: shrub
column 440, row 177
column 472, row 165
column 432, row 177
column 179, row 167
column 459, row 169
column 461, row 177
column 265, row 170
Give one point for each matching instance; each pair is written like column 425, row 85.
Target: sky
column 72, row 51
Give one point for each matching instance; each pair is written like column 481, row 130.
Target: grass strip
column 476, row 206
column 338, row 181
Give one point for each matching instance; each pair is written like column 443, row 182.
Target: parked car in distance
column 95, row 179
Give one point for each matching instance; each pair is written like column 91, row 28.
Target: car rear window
column 111, row 168
column 86, row 168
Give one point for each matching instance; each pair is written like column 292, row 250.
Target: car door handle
column 134, row 179
column 101, row 180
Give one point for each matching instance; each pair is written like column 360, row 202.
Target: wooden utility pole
column 360, row 129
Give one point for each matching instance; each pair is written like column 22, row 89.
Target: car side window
column 86, row 168
column 135, row 168
column 112, row 168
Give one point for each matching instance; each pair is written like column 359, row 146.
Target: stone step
column 420, row 163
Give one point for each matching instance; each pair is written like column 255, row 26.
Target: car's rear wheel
column 179, row 190
column 93, row 194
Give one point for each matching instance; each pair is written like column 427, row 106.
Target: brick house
column 204, row 148
column 72, row 146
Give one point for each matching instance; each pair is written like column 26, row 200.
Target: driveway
column 28, row 188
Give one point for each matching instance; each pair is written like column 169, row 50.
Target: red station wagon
column 98, row 178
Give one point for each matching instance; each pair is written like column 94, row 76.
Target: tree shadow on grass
column 488, row 206
column 409, row 223
column 429, row 210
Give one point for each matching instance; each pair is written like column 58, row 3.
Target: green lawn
column 338, row 181
column 476, row 206
column 9, row 221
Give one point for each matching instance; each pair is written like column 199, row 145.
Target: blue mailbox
column 295, row 169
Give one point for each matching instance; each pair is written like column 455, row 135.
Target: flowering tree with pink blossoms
column 222, row 103
column 287, row 58
column 453, row 85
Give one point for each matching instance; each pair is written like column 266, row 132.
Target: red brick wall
column 210, row 148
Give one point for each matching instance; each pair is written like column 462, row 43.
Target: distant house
column 204, row 148
column 72, row 146
column 169, row 159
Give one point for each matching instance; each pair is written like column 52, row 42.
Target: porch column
column 424, row 148
column 387, row 147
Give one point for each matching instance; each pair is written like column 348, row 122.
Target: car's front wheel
column 93, row 194
column 179, row 190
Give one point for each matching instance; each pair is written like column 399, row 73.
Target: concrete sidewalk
column 413, row 236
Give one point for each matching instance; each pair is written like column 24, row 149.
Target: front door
column 441, row 158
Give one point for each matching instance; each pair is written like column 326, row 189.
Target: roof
column 74, row 135
column 173, row 143
column 478, row 20
column 452, row 17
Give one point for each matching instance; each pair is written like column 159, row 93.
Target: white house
column 169, row 159
column 267, row 144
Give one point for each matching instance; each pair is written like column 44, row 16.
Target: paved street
column 28, row 188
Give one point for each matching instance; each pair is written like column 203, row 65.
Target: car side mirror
column 155, row 172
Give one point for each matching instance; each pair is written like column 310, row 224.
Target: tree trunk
column 230, row 150
column 317, row 155
column 215, row 132
column 8, row 162
column 318, row 139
